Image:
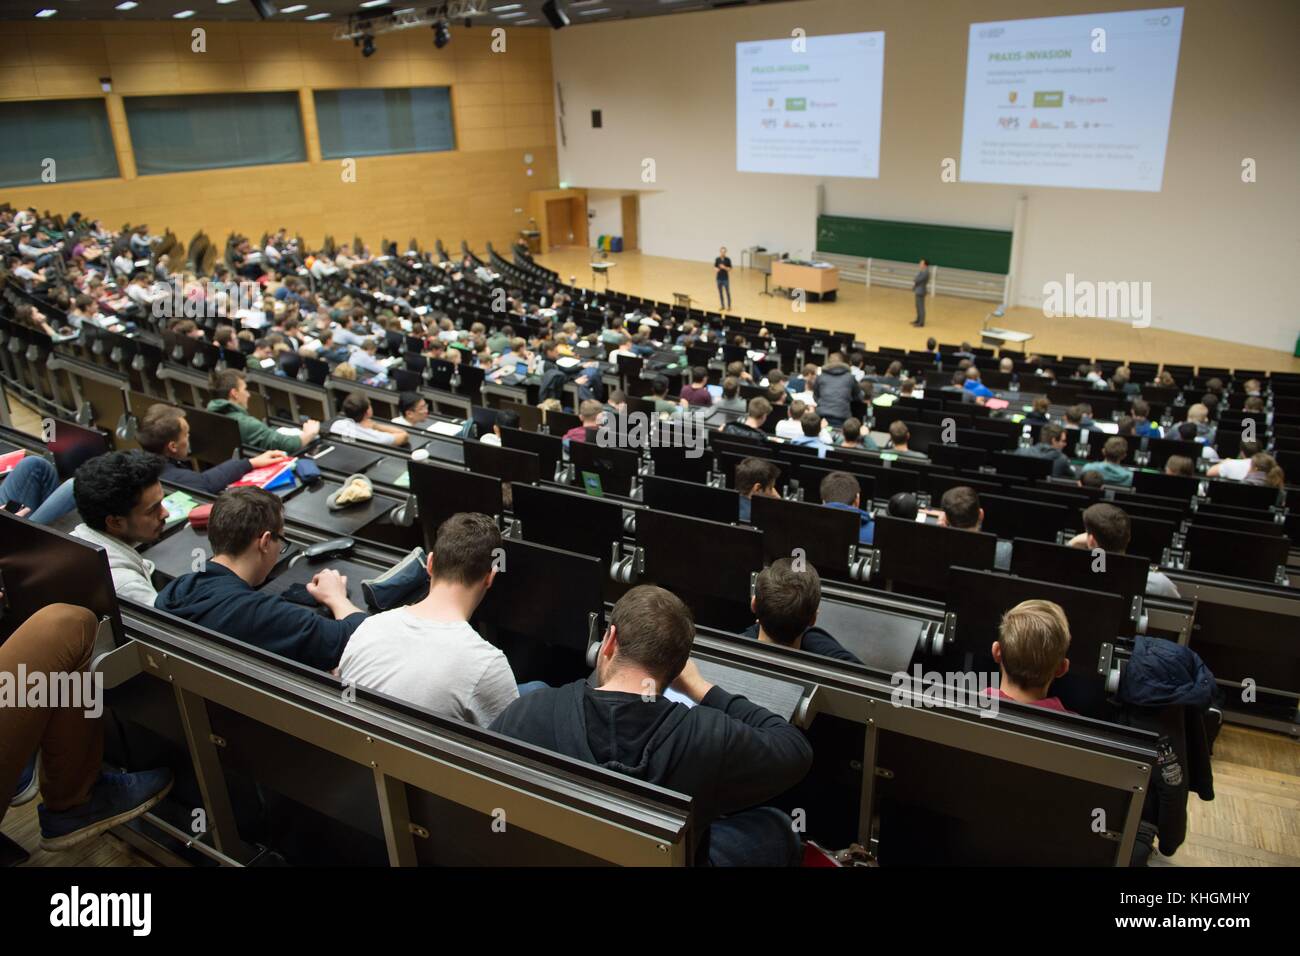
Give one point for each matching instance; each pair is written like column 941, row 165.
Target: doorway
column 631, row 221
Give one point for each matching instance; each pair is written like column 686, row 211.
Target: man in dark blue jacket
column 165, row 431
column 786, row 601
column 246, row 534
column 728, row 754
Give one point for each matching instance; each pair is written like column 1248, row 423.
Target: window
column 72, row 133
column 376, row 122
column 172, row 134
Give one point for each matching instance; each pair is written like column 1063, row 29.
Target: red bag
column 199, row 517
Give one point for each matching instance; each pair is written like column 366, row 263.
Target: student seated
column 1143, row 427
column 1051, row 445
column 786, row 602
column 1112, row 472
column 1033, row 639
column 960, row 508
column 246, row 535
column 1107, row 527
column 791, row 427
column 1039, row 415
column 755, row 476
column 589, row 412
column 841, row 491
column 165, row 432
column 1264, row 470
column 232, row 389
column 811, row 424
column 728, row 754
column 973, row 384
column 659, row 394
column 752, row 427
column 1235, row 468
column 34, row 486
column 903, row 505
column 120, row 500
column 80, row 800
column 1180, row 465
column 505, row 419
column 899, row 436
column 412, row 410
column 1091, row 479
column 357, row 421
column 697, row 392
column 427, row 653
column 855, row 437
column 731, row 400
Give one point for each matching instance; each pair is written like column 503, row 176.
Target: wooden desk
column 787, row 275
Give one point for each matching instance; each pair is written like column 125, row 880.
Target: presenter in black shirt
column 723, row 266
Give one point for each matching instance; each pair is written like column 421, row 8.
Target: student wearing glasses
column 246, row 534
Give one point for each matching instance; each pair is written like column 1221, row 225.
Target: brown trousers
column 58, row 638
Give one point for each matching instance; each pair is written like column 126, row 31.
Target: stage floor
column 879, row 316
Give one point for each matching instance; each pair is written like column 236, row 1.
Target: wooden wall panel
column 502, row 107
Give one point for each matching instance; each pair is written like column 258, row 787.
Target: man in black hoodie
column 728, row 754
column 835, row 391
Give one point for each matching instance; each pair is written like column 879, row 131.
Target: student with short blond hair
column 1033, row 641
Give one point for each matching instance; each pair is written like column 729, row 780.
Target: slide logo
column 1098, row 300
column 1049, row 98
column 795, row 104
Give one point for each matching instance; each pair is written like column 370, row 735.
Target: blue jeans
column 763, row 836
column 724, row 294
column 35, row 484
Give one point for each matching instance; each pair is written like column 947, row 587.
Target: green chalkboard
column 956, row 247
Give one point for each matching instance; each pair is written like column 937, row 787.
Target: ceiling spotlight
column 441, row 34
column 367, row 45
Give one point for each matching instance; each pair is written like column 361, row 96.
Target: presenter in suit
column 919, row 285
column 723, row 266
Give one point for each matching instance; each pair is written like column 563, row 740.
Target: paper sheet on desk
column 286, row 430
column 567, row 362
column 446, row 428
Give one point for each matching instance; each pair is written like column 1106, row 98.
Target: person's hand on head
column 267, row 458
column 1079, row 540
column 691, row 683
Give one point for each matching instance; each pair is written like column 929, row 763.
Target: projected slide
column 810, row 105
column 1071, row 101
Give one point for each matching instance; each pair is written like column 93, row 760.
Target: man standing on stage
column 723, row 265
column 919, row 285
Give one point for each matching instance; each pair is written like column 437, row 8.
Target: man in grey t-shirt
column 427, row 654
